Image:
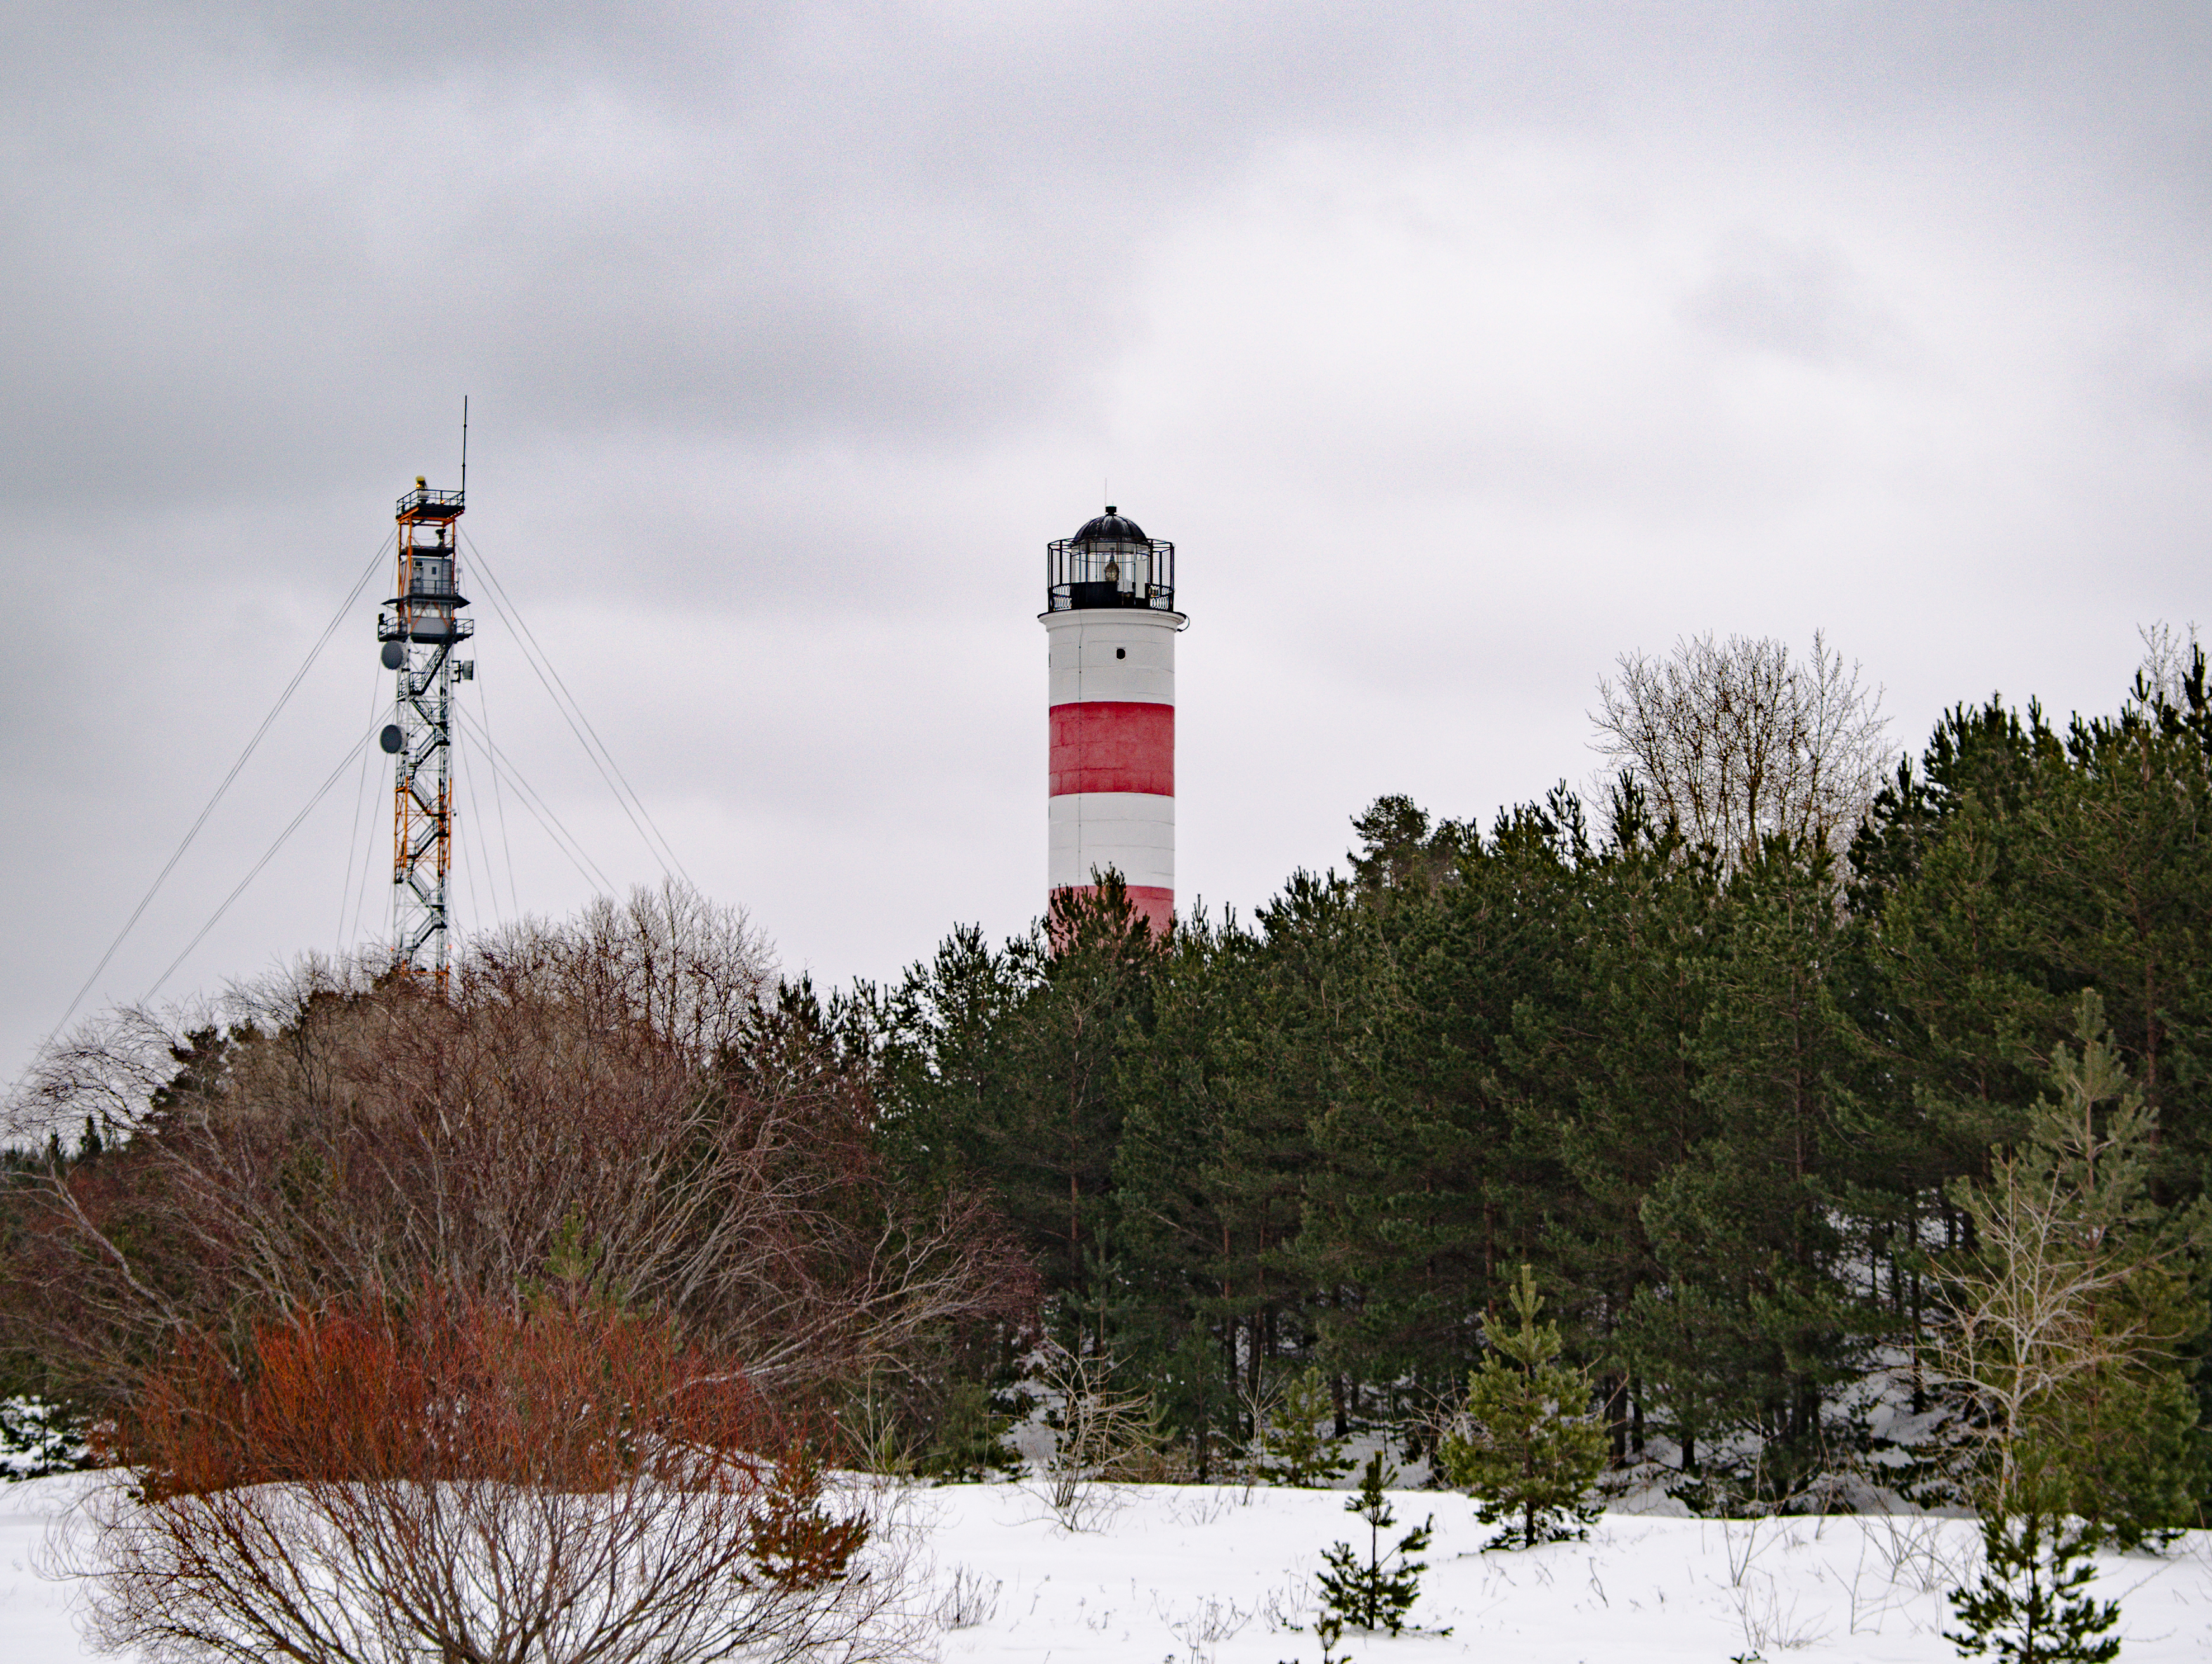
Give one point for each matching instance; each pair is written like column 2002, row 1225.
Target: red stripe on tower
column 1111, row 623
column 1113, row 746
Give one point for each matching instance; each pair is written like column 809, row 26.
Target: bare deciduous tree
column 1104, row 1438
column 2162, row 675
column 692, row 970
column 445, row 1478
column 1737, row 741
column 583, row 1091
column 2066, row 1240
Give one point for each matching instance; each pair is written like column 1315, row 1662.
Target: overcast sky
column 1459, row 348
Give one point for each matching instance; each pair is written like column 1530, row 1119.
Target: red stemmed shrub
column 445, row 1478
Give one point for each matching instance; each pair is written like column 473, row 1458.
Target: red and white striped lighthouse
column 1111, row 623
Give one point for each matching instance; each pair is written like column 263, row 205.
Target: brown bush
column 569, row 1486
column 587, row 1104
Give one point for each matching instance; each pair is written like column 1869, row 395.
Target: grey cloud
column 1443, row 338
column 1802, row 301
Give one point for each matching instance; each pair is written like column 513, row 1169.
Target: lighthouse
column 1110, row 622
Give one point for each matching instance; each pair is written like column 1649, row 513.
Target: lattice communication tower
column 420, row 628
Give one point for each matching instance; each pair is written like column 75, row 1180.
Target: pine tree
column 1372, row 1593
column 2072, row 1315
column 1742, row 1224
column 1423, row 1191
column 1001, row 1067
column 1531, row 1460
column 2028, row 1604
column 1610, row 1100
column 971, row 1443
column 1298, row 1452
column 1206, row 1184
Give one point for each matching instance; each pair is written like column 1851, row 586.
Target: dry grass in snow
column 1202, row 1576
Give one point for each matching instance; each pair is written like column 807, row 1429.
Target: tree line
column 1724, row 1071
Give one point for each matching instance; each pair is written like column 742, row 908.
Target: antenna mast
column 419, row 627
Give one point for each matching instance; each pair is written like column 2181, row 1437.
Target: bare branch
column 605, row 1103
column 1736, row 741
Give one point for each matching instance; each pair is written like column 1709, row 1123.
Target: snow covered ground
column 1202, row 1574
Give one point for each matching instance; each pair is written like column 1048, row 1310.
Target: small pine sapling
column 1527, row 1458
column 1373, row 1594
column 2028, row 1605
column 971, row 1445
column 1297, row 1451
column 795, row 1542
column 1329, row 1629
column 37, row 1437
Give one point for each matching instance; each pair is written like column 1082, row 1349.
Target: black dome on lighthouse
column 1110, row 528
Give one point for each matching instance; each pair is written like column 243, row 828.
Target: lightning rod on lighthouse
column 419, row 627
column 1111, row 622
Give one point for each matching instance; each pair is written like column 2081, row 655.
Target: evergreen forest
column 1722, row 1097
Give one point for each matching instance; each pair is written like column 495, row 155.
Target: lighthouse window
column 1120, row 653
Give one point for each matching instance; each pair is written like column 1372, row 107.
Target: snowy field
column 1197, row 1573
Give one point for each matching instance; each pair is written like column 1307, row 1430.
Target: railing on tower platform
column 423, row 504
column 1082, row 573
